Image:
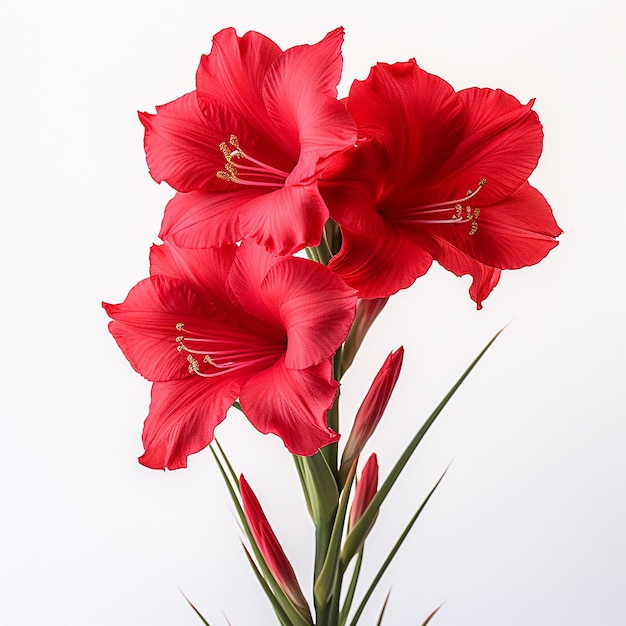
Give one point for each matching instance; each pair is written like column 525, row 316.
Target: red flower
column 245, row 147
column 270, row 548
column 437, row 174
column 210, row 326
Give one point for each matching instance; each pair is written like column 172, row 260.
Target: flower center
column 242, row 169
column 439, row 212
column 208, row 358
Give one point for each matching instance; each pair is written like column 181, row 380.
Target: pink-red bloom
column 245, row 148
column 372, row 408
column 366, row 489
column 437, row 174
column 210, row 326
column 270, row 548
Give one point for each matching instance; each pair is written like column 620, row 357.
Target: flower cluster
column 266, row 163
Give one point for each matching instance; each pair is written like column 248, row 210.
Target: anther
column 239, row 163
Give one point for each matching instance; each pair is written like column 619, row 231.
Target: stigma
column 242, row 169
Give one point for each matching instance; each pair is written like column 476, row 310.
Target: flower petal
column 205, row 270
column 381, row 263
column 252, row 262
column 201, row 219
column 292, row 404
column 286, row 220
column 514, row 233
column 183, row 415
column 416, row 114
column 144, row 325
column 502, row 143
column 352, row 182
column 233, row 73
column 316, row 308
column 182, row 148
column 300, row 93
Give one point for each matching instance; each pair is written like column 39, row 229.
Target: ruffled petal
column 144, row 325
column 286, row 220
column 315, row 306
column 251, row 265
column 300, row 94
column 183, row 415
column 200, row 219
column 502, row 143
column 417, row 115
column 484, row 278
column 182, row 147
column 379, row 264
column 233, row 74
column 351, row 185
column 205, row 270
column 292, row 404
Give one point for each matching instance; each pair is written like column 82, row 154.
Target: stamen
column 238, row 356
column 460, row 215
column 259, row 174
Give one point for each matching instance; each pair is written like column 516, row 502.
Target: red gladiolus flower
column 436, row 175
column 210, row 326
column 246, row 147
column 371, row 410
column 270, row 548
column 365, row 490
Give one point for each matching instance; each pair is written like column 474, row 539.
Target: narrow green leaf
column 347, row 603
column 393, row 552
column 231, row 471
column 305, row 489
column 296, row 618
column 321, row 487
column 280, row 613
column 325, row 582
column 357, row 536
column 195, row 609
column 382, row 610
column 431, row 615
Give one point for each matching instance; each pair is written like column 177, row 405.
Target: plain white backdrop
column 528, row 525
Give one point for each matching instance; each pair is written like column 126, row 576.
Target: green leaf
column 295, row 617
column 382, row 610
column 325, row 582
column 357, row 536
column 347, row 603
column 431, row 615
column 280, row 613
column 393, row 553
column 305, row 488
column 195, row 609
column 321, row 487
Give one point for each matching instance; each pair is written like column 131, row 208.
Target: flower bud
column 366, row 312
column 271, row 549
column 371, row 409
column 366, row 489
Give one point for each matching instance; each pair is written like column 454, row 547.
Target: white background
column 528, row 525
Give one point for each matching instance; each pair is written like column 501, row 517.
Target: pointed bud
column 366, row 312
column 366, row 489
column 371, row 410
column 271, row 549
